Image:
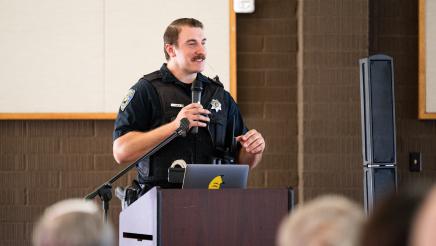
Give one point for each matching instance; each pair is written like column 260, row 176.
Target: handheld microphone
column 196, row 89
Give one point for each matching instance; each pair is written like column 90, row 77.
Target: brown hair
column 171, row 34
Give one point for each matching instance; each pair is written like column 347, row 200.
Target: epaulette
column 152, row 76
column 216, row 80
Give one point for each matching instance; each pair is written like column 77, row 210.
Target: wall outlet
column 415, row 162
column 243, row 6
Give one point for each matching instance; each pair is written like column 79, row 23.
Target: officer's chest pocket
column 217, row 128
column 217, row 121
column 171, row 114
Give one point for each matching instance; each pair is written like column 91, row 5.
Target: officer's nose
column 201, row 50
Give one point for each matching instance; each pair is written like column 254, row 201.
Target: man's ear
column 170, row 50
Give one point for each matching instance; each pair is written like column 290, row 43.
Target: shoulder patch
column 127, row 99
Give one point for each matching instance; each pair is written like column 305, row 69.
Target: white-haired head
column 72, row 222
column 329, row 220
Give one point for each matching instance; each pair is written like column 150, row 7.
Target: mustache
column 199, row 56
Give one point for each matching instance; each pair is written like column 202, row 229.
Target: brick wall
column 335, row 37
column 267, row 87
column 42, row 162
column 394, row 32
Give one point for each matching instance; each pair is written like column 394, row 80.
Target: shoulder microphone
column 196, row 89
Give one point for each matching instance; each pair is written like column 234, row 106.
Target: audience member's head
column 325, row 221
column 423, row 228
column 390, row 222
column 70, row 223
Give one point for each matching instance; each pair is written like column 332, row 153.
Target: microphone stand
column 104, row 191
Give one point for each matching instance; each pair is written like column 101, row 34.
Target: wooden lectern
column 185, row 217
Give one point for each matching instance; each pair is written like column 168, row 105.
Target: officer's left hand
column 252, row 142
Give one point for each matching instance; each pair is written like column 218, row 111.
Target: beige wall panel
column 430, row 56
column 62, row 56
column 52, row 56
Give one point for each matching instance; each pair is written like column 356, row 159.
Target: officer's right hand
column 195, row 113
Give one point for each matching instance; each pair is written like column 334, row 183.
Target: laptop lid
column 208, row 176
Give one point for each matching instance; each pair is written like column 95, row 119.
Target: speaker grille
column 382, row 107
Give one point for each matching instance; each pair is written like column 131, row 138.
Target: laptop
column 208, row 176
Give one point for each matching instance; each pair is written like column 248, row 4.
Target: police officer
column 154, row 106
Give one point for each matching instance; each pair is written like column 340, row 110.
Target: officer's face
column 190, row 52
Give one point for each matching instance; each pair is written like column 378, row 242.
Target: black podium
column 205, row 217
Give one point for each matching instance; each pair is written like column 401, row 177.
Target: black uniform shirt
column 142, row 112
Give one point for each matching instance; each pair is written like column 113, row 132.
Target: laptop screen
column 208, row 176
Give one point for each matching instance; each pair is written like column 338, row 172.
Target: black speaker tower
column 378, row 128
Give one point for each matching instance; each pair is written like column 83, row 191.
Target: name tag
column 177, row 105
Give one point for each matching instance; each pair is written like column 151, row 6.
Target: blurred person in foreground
column 329, row 220
column 389, row 224
column 72, row 222
column 423, row 227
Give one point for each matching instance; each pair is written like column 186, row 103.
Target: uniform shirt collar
column 168, row 77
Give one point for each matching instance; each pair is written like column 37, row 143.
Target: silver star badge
column 216, row 105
